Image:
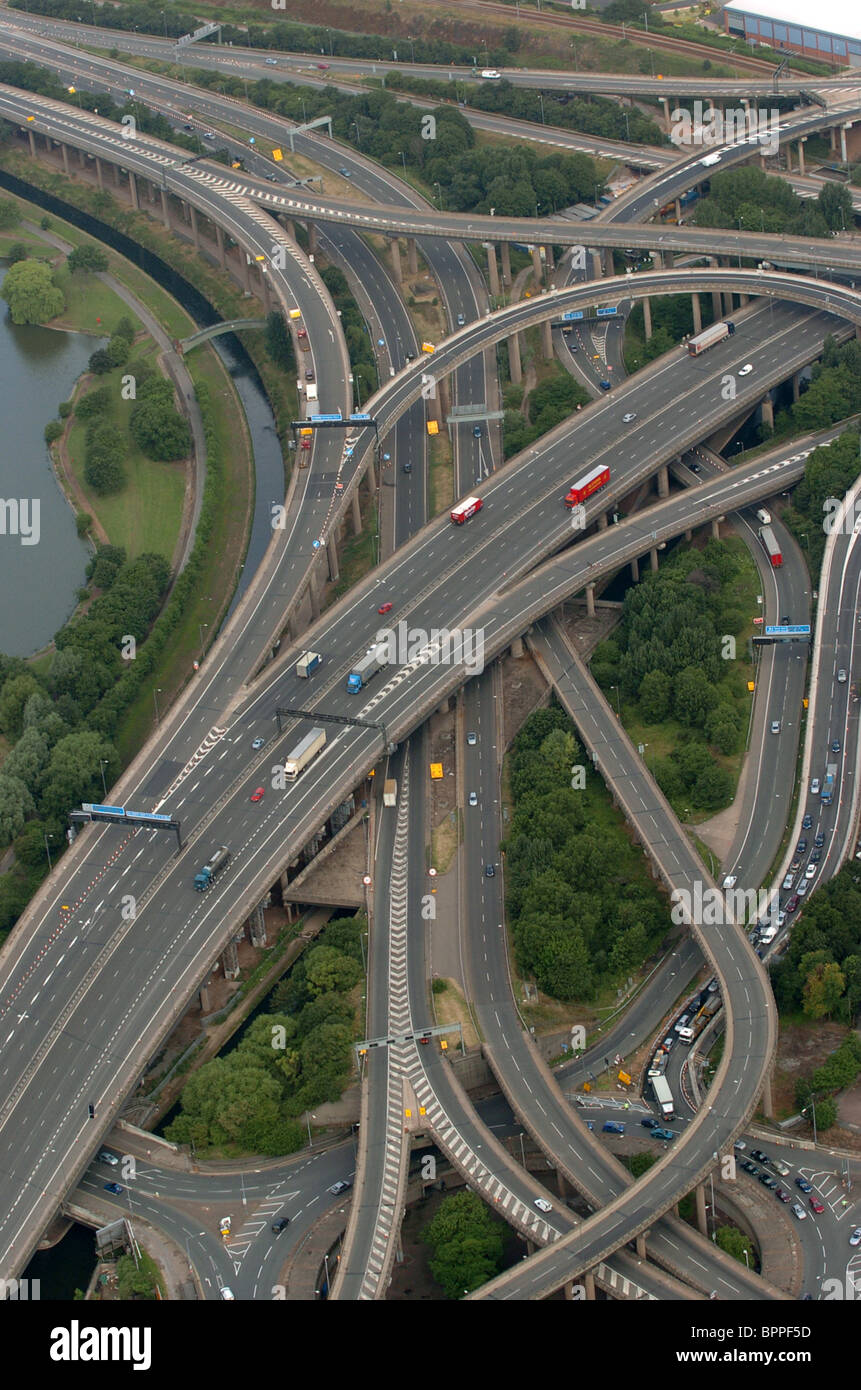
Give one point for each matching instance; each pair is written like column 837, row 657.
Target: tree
column 87, row 258
column 72, row 775
column 694, row 696
column 15, row 693
column 823, row 990
column 278, row 342
column 329, row 971
column 159, row 431
column 467, row 1244
column 94, row 404
column 17, row 252
column 10, row 213
column 734, row 1242
column 826, row 1114
column 654, row 696
column 835, row 204
column 100, row 362
column 16, row 804
column 31, row 294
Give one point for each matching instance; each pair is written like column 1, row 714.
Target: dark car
column 476, row 430
column 605, row 385
column 801, row 846
column 489, row 870
column 649, row 1123
column 343, row 1186
column 768, row 1181
column 803, row 1184
column 613, row 1127
column 278, row 1226
column 819, row 839
column 113, row 1187
column 694, row 467
column 815, row 856
column 835, row 747
column 782, row 1194
column 807, row 823
column 759, row 1156
column 793, row 903
column 309, row 373
column 665, row 1134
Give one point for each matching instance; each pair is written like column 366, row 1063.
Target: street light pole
column 155, row 694
column 103, row 762
column 48, row 852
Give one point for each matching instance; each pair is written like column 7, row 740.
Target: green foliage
column 734, row 1242
column 362, row 360
column 105, row 565
column 580, row 918
column 17, row 252
column 156, row 426
column 10, row 214
column 549, row 404
column 31, row 294
column 290, row 1059
column 95, row 404
column 103, row 457
column 53, row 430
column 467, row 1244
column 640, row 1163
column 87, row 258
column 278, row 342
column 136, row 1280
column 752, row 201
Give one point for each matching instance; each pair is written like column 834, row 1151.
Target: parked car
column 803, row 1184
column 739, row 1145
column 664, row 1134
column 613, row 1127
column 760, row 1156
column 855, row 1237
column 817, row 1205
column 750, row 1168
column 798, row 1211
column 768, row 1181
column 782, row 1193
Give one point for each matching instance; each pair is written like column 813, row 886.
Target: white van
column 763, row 516
column 490, row 72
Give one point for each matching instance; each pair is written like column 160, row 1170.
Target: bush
column 53, row 430
column 95, row 405
column 64, row 409
column 17, row 252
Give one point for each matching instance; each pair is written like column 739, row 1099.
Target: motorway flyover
column 180, row 941
column 252, row 63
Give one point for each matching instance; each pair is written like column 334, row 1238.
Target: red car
column 302, row 333
column 258, row 794
column 306, row 443
column 385, row 608
column 324, row 67
column 817, row 1205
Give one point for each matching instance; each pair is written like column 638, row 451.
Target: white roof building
column 829, row 30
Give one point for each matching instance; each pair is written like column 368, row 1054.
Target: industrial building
column 829, row 30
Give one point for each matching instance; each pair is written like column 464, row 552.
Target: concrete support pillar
column 635, row 571
column 647, row 318
column 505, row 253
column 590, row 600
column 372, row 475
column 100, row 173
column 547, row 340
column 230, row 961
column 64, row 151
column 727, row 303
column 603, row 521
column 133, row 190
column 314, row 596
column 116, row 169
column 832, row 138
column 492, row 269
column 641, row 1246
column 219, row 241
column 743, row 299
column 702, row 1222
column 678, row 211
column 245, row 271
column 537, row 268
column 716, row 305
column 257, row 927
column 663, row 477
column 607, row 258
column 290, row 228
column 697, row 312
column 82, row 159
column 715, row 529
column 788, row 148
column 186, row 213
column 444, row 707
column 165, row 209
column 517, row 652
column 665, row 107
column 514, row 363
column 658, row 260
column 689, row 535
column 550, row 261
column 395, row 253
column 312, row 238
column 767, row 409
column 203, row 999
column 589, row 1285
column 768, row 1098
column 332, row 554
column 32, row 139
column 412, row 256
column 597, row 265
column 796, row 385
column 356, row 512
column 653, row 557
column 194, row 229
column 843, row 152
column 801, row 155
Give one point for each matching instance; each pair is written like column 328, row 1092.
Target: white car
column 815, row 786
column 730, row 881
column 810, row 871
column 746, row 369
column 841, row 676
column 542, row 1204
column 227, row 1294
column 473, row 798
column 775, row 726
column 798, row 1211
column 855, row 1238
column 472, row 739
column 631, row 415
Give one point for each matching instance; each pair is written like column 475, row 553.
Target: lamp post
column 200, row 627
column 618, row 706
column 155, row 694
column 103, row 762
column 48, row 837
column 403, row 161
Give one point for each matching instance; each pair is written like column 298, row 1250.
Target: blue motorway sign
column 321, row 419
column 790, row 630
column 607, row 312
column 103, row 810
column 573, row 314
column 148, row 816
column 361, row 416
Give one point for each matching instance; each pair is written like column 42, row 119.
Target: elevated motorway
column 94, row 1039
column 251, row 62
